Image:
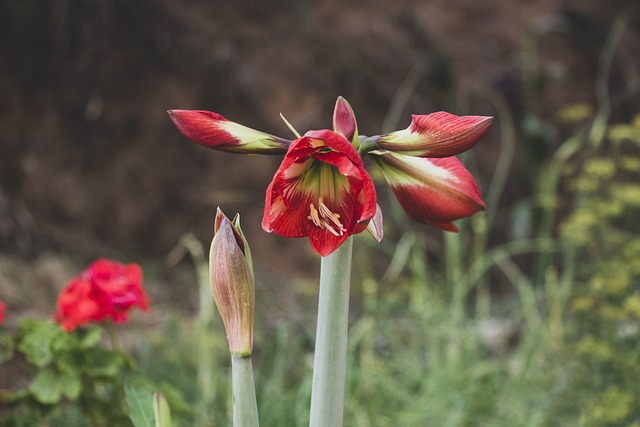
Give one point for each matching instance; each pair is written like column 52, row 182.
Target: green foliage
column 161, row 411
column 69, row 368
column 604, row 230
column 140, row 405
column 147, row 407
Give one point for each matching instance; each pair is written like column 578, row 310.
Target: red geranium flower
column 106, row 289
column 2, row 307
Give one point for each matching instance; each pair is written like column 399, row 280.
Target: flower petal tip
column 344, row 120
column 375, row 226
column 439, row 134
column 214, row 131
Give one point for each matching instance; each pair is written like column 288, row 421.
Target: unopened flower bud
column 232, row 283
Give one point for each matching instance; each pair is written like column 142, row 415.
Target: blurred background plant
column 603, row 231
column 527, row 317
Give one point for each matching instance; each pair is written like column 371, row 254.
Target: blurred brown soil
column 91, row 166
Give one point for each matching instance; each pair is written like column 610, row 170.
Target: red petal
column 438, row 134
column 324, row 242
column 281, row 220
column 435, row 196
column 214, row 131
column 344, row 120
column 449, row 134
column 370, row 209
column 203, row 127
column 336, row 142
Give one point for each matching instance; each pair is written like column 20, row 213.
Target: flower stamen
column 321, row 217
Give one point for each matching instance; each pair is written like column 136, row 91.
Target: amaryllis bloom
column 214, row 131
column 438, row 134
column 322, row 190
column 433, row 191
column 106, row 289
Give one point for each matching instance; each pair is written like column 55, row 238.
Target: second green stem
column 330, row 359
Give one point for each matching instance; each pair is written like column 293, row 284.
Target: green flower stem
column 245, row 407
column 113, row 336
column 330, row 360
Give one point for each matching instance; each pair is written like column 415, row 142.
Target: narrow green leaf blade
column 140, row 406
column 161, row 410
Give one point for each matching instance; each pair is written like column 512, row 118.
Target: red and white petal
column 285, row 216
column 370, row 209
column 214, row 131
column 439, row 134
column 433, row 191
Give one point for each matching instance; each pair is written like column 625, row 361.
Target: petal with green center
column 216, row 132
column 438, row 134
column 432, row 191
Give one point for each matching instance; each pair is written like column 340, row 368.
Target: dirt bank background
column 91, row 166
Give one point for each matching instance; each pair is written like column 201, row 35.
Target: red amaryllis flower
column 2, row 307
column 321, row 191
column 433, row 191
column 106, row 289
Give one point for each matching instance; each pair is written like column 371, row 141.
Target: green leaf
column 7, row 344
column 45, row 387
column 140, row 405
column 91, row 337
column 161, row 410
column 70, row 385
column 69, row 362
column 37, row 336
column 103, row 363
column 175, row 398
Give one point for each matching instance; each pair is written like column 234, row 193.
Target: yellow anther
column 313, row 216
column 325, row 219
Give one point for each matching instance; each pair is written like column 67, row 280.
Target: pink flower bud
column 232, row 283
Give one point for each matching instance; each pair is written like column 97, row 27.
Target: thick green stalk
column 330, row 359
column 245, row 406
